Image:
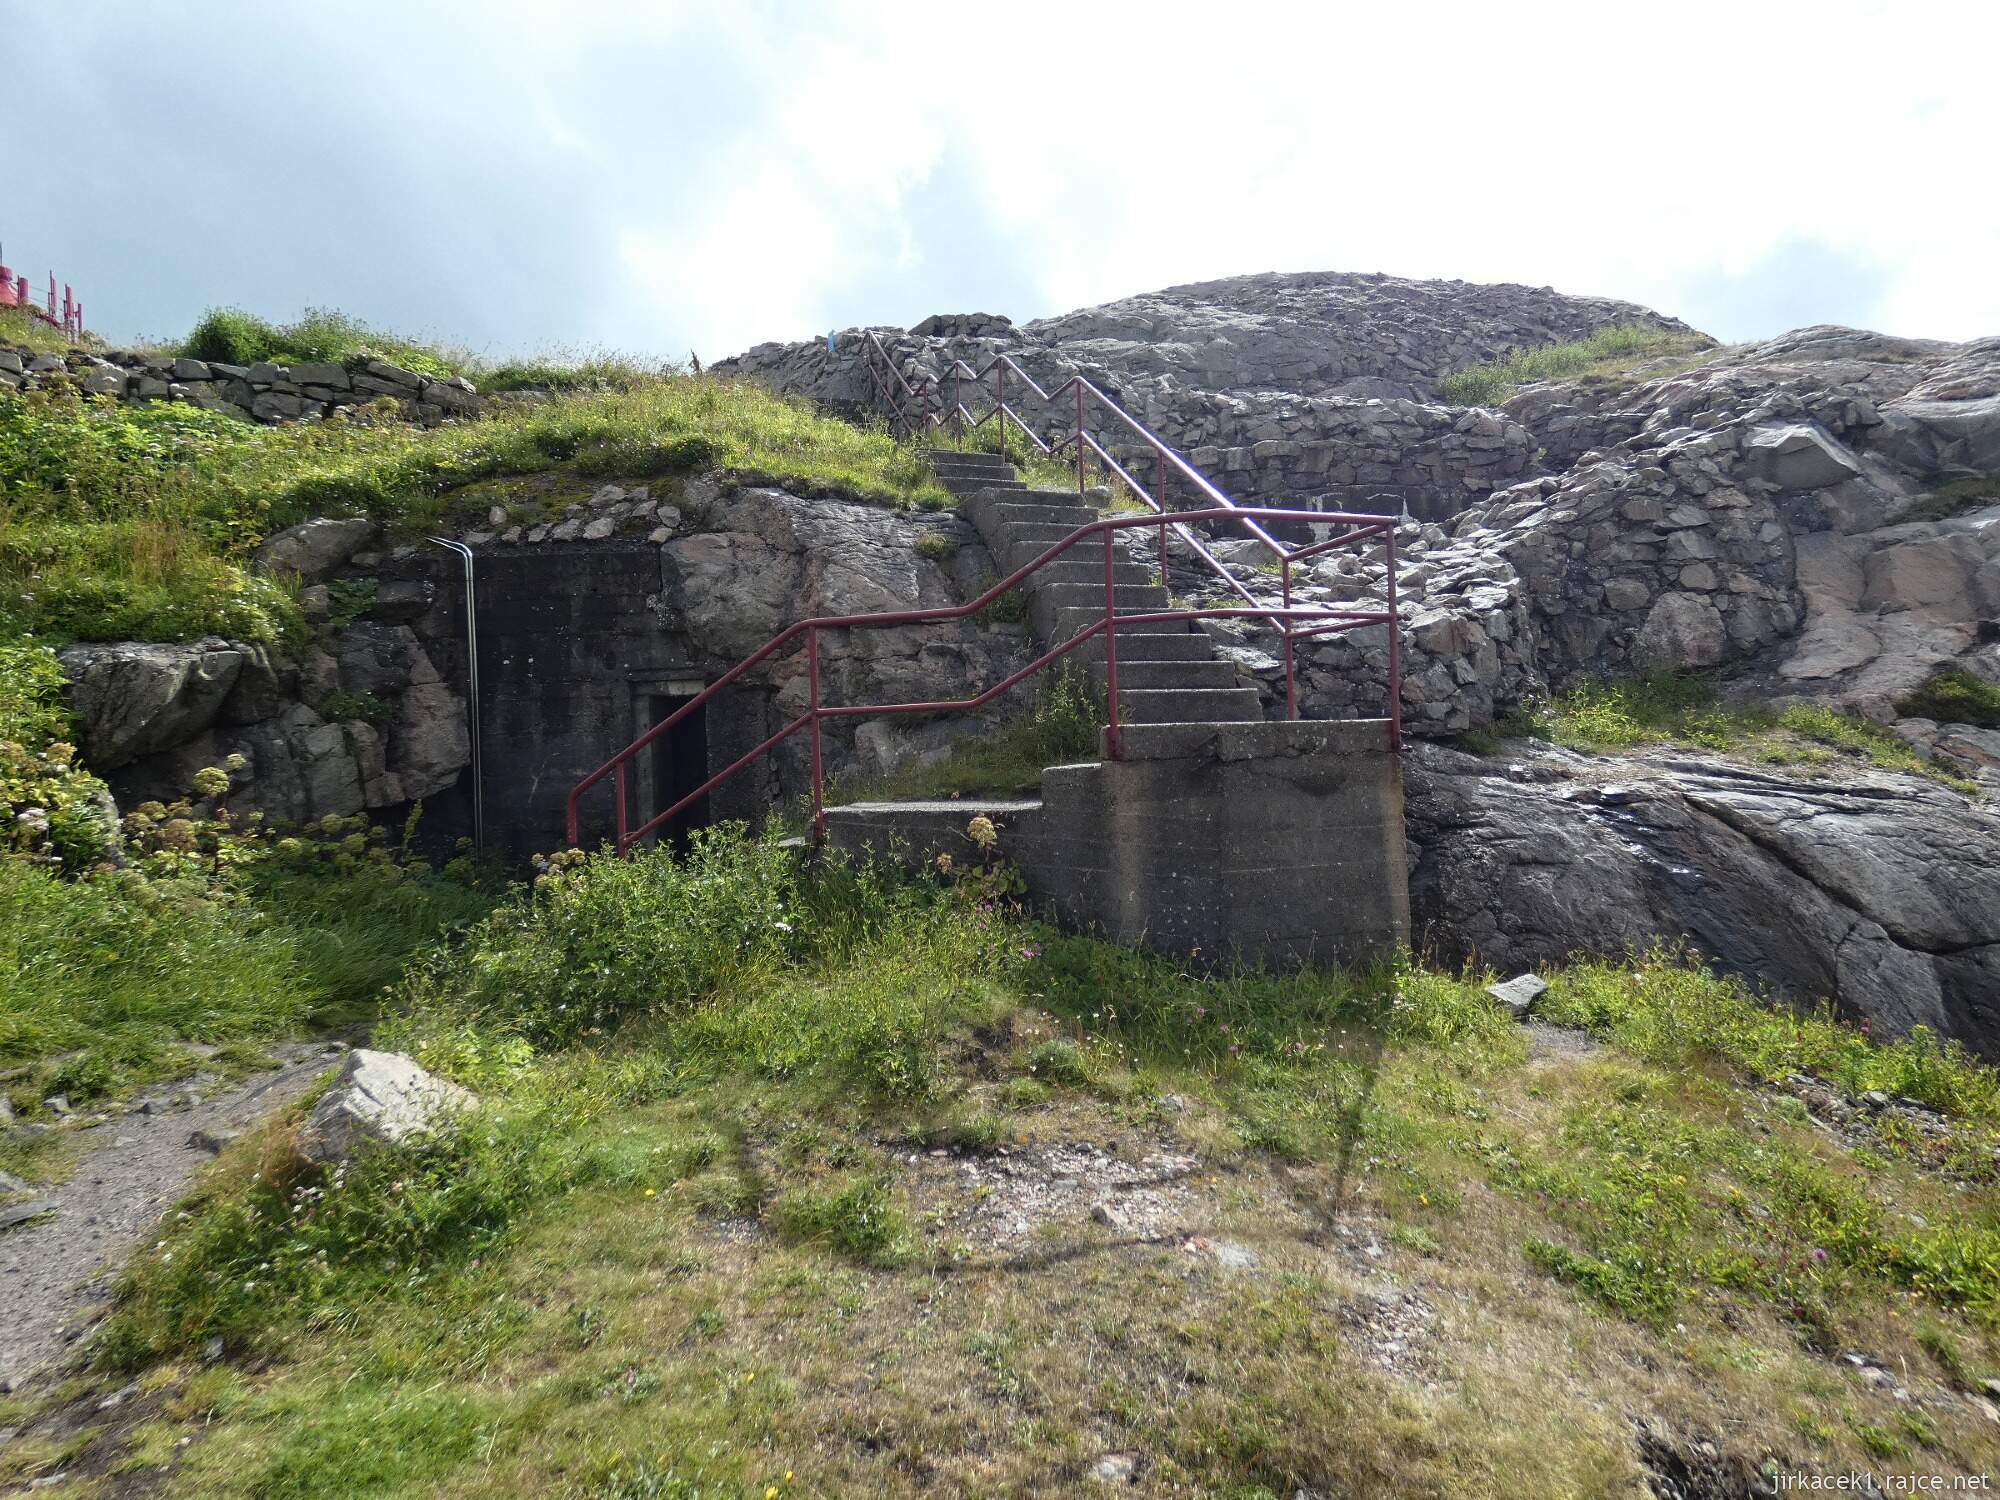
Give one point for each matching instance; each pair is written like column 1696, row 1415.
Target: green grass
column 692, row 1242
column 1684, row 708
column 318, row 336
column 1955, row 696
column 20, row 331
column 133, row 522
column 1609, row 351
column 1956, row 498
column 1062, row 728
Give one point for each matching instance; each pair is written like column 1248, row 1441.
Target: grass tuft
column 1683, row 708
column 1609, row 351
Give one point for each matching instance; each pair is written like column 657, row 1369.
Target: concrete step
column 1128, row 598
column 1140, row 645
column 970, row 457
column 1068, row 622
column 1078, row 566
column 1140, row 673
column 998, row 474
column 1236, row 705
column 1011, row 511
column 966, row 489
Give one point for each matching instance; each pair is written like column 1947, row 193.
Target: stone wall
column 261, row 392
column 590, row 623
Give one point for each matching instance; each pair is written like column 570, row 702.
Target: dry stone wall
column 260, row 392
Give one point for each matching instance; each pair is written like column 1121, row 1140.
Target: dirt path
column 56, row 1269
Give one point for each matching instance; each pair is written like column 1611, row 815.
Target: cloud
column 643, row 175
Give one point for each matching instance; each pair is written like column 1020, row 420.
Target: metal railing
column 15, row 292
column 1321, row 620
column 912, row 408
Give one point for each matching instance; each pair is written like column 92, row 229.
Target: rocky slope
column 1318, row 385
column 1814, row 517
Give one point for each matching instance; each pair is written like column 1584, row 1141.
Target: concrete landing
column 1278, row 844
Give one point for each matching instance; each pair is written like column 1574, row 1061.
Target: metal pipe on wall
column 472, row 687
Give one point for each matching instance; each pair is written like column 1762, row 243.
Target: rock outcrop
column 1879, row 892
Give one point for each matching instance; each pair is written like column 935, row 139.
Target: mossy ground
column 804, row 1215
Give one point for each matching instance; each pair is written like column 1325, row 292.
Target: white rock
column 383, row 1097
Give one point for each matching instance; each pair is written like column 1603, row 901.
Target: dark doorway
column 680, row 765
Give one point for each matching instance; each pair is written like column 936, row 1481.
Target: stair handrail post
column 618, row 783
column 1395, row 647
column 1291, row 676
column 818, row 769
column 1000, row 404
column 1160, row 484
column 1079, row 441
column 1110, row 645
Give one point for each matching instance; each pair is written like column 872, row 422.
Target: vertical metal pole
column 1291, row 676
column 618, row 782
column 957, row 404
column 1079, row 444
column 1160, row 485
column 1110, row 649
column 1395, row 651
column 472, row 694
column 1000, row 404
column 819, row 791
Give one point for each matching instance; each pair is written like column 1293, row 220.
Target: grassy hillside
column 133, row 522
column 825, row 1184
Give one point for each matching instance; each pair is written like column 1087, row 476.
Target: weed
column 855, row 1216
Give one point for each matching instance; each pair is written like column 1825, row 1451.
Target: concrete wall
column 572, row 651
column 1278, row 844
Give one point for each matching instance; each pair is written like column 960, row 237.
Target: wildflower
column 1031, row 950
column 982, row 832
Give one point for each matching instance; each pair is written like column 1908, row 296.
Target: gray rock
column 1681, row 630
column 314, row 549
column 13, row 1215
column 1519, row 994
column 1881, row 893
column 135, row 699
column 382, row 660
column 1799, row 457
column 380, row 1097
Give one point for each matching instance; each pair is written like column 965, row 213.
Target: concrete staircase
column 1216, row 833
column 1168, row 671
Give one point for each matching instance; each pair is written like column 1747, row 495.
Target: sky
column 514, row 177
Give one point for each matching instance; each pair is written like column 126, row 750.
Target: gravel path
column 56, row 1269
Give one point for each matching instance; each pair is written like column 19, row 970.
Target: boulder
column 314, row 549
column 381, row 659
column 1799, row 457
column 1878, row 892
column 1682, row 630
column 135, row 699
column 430, row 742
column 382, row 1098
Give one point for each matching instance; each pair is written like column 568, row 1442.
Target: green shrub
column 1954, row 696
column 55, row 812
column 319, row 336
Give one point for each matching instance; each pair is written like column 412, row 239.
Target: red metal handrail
column 1360, row 529
column 898, row 392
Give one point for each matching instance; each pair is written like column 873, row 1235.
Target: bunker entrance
column 679, row 762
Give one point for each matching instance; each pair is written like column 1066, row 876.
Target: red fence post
column 1079, row 441
column 1291, row 676
column 618, row 781
column 1395, row 651
column 819, row 793
column 1110, row 648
